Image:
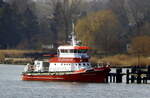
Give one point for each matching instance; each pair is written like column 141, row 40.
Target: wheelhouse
column 73, row 51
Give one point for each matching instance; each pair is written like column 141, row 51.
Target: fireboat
column 71, row 64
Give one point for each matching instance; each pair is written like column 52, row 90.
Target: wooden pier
column 133, row 75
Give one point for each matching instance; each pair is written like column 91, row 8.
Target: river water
column 12, row 87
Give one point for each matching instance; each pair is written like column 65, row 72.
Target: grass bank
column 123, row 60
column 18, row 56
column 18, row 52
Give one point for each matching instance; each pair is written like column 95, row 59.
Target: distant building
column 128, row 47
column 48, row 46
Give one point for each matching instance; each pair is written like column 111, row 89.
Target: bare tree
column 64, row 12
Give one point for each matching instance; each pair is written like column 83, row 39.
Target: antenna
column 74, row 42
column 73, row 27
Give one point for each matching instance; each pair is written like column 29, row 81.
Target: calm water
column 12, row 87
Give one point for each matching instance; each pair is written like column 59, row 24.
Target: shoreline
column 22, row 57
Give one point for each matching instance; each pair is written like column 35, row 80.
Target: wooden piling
column 106, row 79
column 110, row 78
column 148, row 72
column 133, row 71
column 148, row 69
column 114, row 78
column 139, row 76
column 144, row 80
column 132, row 78
column 119, row 75
column 127, row 76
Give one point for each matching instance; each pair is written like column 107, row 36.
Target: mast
column 73, row 37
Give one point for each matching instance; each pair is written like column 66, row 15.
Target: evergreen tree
column 9, row 37
column 29, row 28
column 57, row 23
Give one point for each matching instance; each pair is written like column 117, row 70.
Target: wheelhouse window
column 78, row 51
column 82, row 51
column 64, row 51
column 73, row 51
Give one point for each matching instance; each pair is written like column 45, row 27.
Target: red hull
column 97, row 75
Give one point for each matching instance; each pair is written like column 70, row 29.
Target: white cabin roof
column 66, row 47
column 73, row 47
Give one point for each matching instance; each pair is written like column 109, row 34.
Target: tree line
column 29, row 24
column 113, row 28
column 106, row 25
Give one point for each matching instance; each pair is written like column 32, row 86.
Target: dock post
column 148, row 72
column 106, row 79
column 119, row 75
column 139, row 76
column 127, row 76
column 114, row 78
column 149, row 69
column 133, row 70
column 132, row 78
column 145, row 80
column 110, row 78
